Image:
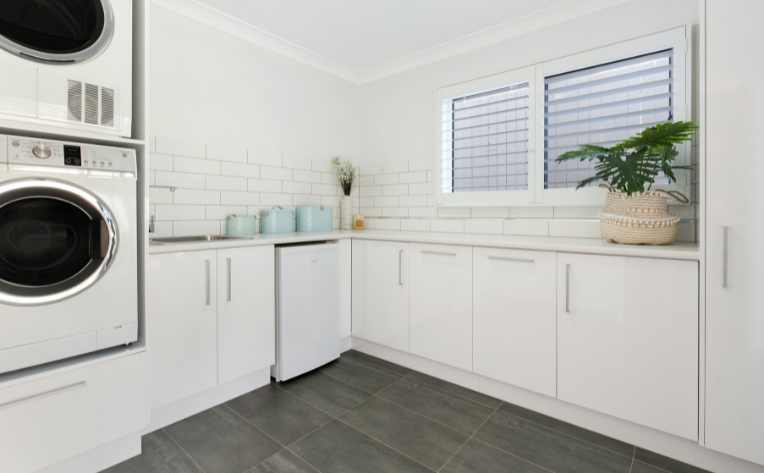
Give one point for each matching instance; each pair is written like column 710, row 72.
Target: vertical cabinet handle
column 567, row 288
column 207, row 266
column 400, row 268
column 725, row 235
column 228, row 261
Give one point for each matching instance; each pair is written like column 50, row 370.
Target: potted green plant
column 633, row 212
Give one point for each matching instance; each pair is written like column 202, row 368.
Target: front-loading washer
column 68, row 250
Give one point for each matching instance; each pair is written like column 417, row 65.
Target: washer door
column 56, row 240
column 56, row 31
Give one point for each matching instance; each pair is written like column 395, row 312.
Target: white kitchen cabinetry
column 181, row 324
column 514, row 317
column 246, row 308
column 50, row 419
column 627, row 339
column 381, row 293
column 207, row 325
column 441, row 304
column 734, row 199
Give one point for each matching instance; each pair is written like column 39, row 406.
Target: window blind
column 485, row 141
column 602, row 105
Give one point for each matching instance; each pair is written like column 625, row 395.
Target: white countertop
column 680, row 251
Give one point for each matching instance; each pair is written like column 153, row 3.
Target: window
column 603, row 106
column 485, row 127
column 488, row 142
column 485, row 132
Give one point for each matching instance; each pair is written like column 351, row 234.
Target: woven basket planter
column 640, row 219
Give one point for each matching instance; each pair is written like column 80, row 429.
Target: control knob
column 42, row 151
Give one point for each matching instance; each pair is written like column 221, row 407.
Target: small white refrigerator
column 307, row 308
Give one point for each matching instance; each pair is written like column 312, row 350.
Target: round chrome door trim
column 86, row 54
column 20, row 189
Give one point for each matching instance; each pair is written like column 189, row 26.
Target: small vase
column 346, row 213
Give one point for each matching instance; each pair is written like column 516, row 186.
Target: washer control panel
column 49, row 153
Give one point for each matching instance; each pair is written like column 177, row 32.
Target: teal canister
column 314, row 219
column 241, row 226
column 276, row 221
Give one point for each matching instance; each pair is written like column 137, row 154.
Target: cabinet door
column 514, row 317
column 381, row 293
column 181, row 324
column 441, row 304
column 627, row 339
column 734, row 200
column 246, row 311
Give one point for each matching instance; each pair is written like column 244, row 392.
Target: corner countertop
column 596, row 246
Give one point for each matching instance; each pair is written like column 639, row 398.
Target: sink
column 193, row 238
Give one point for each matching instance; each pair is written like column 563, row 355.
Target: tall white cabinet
column 734, row 227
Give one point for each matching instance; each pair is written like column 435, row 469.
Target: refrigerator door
column 308, row 307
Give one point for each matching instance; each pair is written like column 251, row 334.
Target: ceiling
column 365, row 34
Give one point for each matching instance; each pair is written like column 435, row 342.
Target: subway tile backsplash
column 214, row 181
column 399, row 196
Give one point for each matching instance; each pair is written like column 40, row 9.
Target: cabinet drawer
column 514, row 318
column 50, row 419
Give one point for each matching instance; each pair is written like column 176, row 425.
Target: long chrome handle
column 437, row 253
column 207, row 265
column 400, row 268
column 81, row 384
column 518, row 260
column 567, row 288
column 228, row 260
column 725, row 239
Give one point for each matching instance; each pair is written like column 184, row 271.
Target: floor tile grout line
column 253, row 425
column 568, row 435
column 457, row 395
column 301, row 458
column 353, row 385
column 512, row 454
column 422, row 415
column 659, row 468
column 470, row 437
column 306, row 402
column 317, row 428
column 182, row 449
column 631, row 467
column 386, row 445
column 389, row 371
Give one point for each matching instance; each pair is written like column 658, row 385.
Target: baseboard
column 644, row 437
column 346, row 344
column 179, row 410
column 99, row 458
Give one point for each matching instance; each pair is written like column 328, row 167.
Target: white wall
column 397, row 126
column 397, row 111
column 218, row 98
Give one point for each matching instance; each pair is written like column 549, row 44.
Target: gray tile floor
column 363, row 414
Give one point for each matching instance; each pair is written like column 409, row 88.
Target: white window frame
column 671, row 39
column 677, row 39
column 485, row 84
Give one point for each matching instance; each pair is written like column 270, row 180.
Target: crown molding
column 539, row 19
column 235, row 27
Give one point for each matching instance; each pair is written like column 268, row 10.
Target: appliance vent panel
column 107, row 107
column 91, row 104
column 74, row 101
column 18, row 90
